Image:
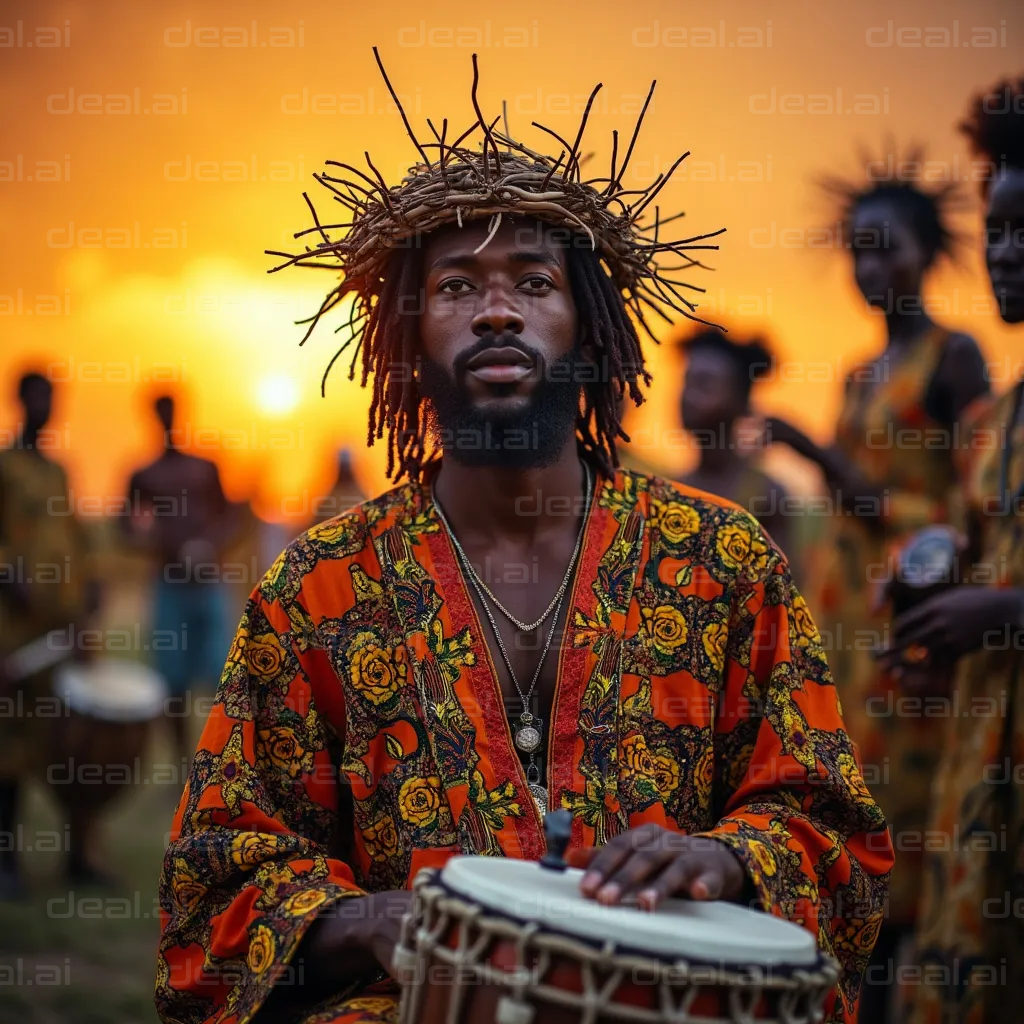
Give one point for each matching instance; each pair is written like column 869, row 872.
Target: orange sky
column 134, row 241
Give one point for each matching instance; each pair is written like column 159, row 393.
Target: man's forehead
column 513, row 240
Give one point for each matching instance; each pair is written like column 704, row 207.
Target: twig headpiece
column 452, row 183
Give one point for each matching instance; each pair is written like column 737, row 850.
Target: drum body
column 95, row 748
column 544, row 955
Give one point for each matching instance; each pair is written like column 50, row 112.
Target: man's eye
column 456, row 286
column 537, row 283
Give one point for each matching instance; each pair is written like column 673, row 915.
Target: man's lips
column 500, row 365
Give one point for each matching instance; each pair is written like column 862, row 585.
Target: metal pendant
column 528, row 739
column 540, row 798
column 528, row 734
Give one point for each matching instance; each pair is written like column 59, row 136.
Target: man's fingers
column 613, row 855
column 673, row 881
column 603, row 862
column 708, row 885
column 634, row 874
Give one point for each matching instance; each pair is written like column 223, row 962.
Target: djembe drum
column 110, row 705
column 514, row 942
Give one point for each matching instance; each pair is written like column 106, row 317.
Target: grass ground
column 89, row 957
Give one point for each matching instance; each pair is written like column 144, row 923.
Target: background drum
column 514, row 942
column 93, row 748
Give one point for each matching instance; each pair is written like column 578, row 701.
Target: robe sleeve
column 258, row 840
column 794, row 806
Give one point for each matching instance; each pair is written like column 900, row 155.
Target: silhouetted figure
column 345, row 492
column 45, row 584
column 891, row 471
column 179, row 510
column 720, row 374
column 970, row 922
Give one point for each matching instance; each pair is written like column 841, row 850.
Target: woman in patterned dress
column 970, row 932
column 891, row 471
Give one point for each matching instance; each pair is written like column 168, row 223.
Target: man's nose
column 497, row 314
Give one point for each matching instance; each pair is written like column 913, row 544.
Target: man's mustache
column 504, row 339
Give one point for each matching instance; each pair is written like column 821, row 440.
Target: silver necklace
column 525, row 627
column 529, row 733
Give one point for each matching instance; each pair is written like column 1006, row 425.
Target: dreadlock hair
column 995, row 127
column 752, row 358
column 926, row 209
column 391, row 347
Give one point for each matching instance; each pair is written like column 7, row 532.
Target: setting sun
column 277, row 395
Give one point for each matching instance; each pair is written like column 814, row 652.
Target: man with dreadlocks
column 393, row 697
column 971, row 926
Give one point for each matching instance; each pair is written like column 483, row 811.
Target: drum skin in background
column 513, row 942
column 110, row 704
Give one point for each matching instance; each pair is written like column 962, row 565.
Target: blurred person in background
column 720, row 374
column 45, row 584
column 890, row 471
column 970, row 937
column 717, row 385
column 179, row 512
column 345, row 492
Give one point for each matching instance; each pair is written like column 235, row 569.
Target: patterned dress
column 971, row 927
column 885, row 431
column 359, row 734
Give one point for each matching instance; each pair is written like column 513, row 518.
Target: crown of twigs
column 503, row 176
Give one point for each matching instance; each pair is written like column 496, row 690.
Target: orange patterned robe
column 359, row 734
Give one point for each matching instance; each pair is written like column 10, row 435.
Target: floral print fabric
column 359, row 734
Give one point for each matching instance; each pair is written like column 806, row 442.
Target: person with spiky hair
column 518, row 626
column 970, row 935
column 891, row 470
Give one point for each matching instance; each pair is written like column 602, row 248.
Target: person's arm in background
column 225, row 519
column 961, row 376
column 136, row 524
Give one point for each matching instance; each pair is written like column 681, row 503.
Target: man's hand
column 955, row 622
column 652, row 863
column 355, row 936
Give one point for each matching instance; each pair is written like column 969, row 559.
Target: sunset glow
column 138, row 193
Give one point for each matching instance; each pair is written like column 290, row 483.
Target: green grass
column 97, row 967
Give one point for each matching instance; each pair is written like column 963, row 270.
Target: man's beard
column 532, row 436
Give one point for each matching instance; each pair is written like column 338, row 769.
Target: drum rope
column 799, row 994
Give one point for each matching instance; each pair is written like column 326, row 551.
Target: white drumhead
column 112, row 689
column 712, row 932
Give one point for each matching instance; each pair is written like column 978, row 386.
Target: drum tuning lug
column 557, row 833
